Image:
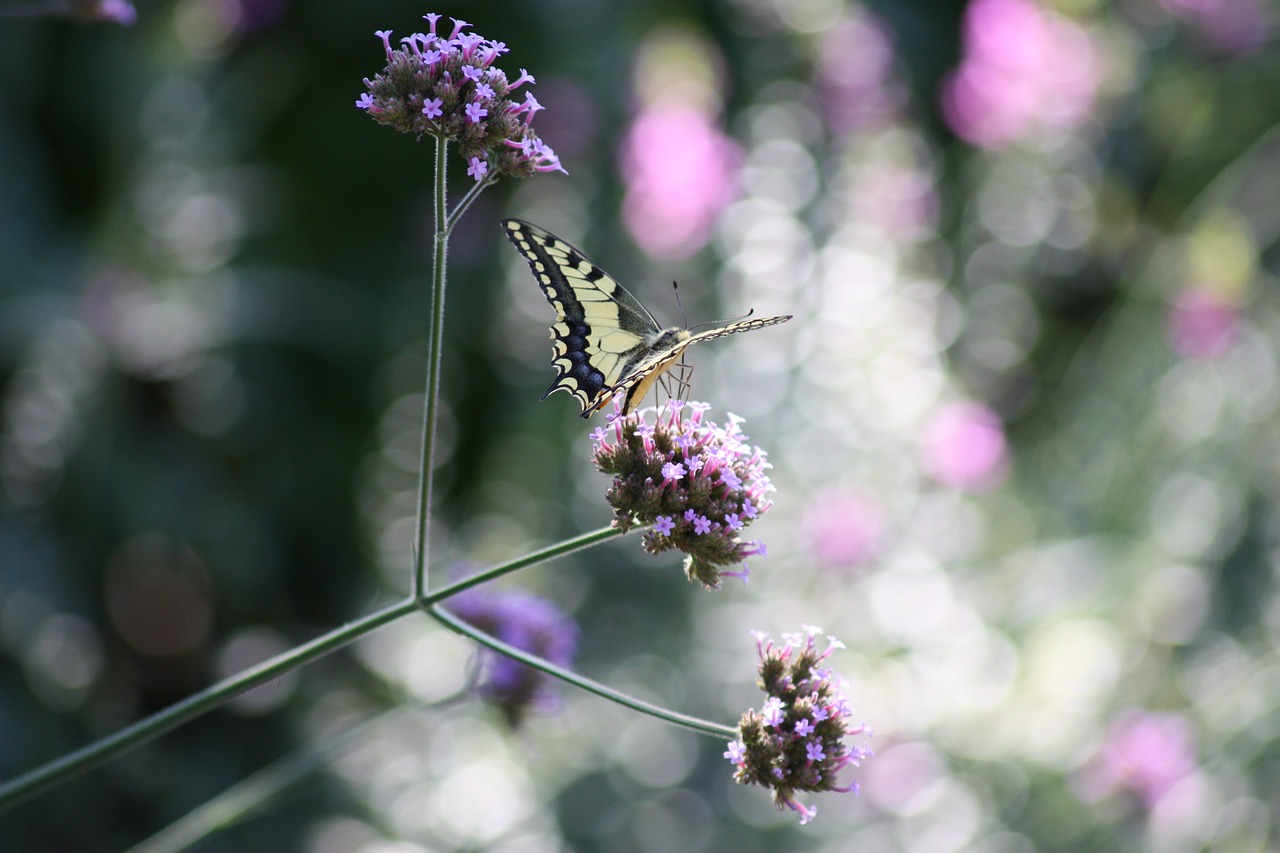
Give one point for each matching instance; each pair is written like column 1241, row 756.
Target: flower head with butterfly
column 699, row 484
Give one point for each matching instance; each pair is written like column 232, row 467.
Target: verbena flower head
column 697, row 483
column 796, row 741
column 448, row 86
column 529, row 623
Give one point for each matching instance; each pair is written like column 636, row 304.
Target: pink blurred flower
column 1025, row 71
column 845, row 528
column 854, row 64
column 1146, row 753
column 1234, row 26
column 681, row 170
column 1202, row 324
column 965, row 448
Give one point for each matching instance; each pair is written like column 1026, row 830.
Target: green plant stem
column 693, row 723
column 150, row 728
column 253, row 793
column 435, row 351
column 256, row 792
column 551, row 552
column 74, row 763
column 471, row 196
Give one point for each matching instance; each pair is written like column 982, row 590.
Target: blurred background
column 1024, row 425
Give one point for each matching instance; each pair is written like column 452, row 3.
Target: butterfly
column 604, row 343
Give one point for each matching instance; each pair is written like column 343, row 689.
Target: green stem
column 256, row 792
column 435, row 350
column 693, row 723
column 471, row 196
column 150, row 728
column 61, row 769
column 551, row 552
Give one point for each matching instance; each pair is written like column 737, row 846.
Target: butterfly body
column 604, row 342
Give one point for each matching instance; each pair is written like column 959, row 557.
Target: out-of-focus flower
column 529, row 623
column 854, row 63
column 1221, row 263
column 1233, row 26
column 450, row 88
column 795, row 742
column 1145, row 753
column 1025, row 71
column 697, row 483
column 120, row 12
column 965, row 447
column 679, row 166
column 845, row 529
column 681, row 171
column 1202, row 324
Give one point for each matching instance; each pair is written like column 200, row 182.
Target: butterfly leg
column 676, row 381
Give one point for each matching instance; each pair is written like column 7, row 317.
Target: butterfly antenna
column 711, row 323
column 684, row 318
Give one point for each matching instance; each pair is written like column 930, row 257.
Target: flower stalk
column 695, row 724
column 435, row 349
column 148, row 729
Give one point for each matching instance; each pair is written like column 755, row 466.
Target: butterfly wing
column 601, row 331
column 636, row 384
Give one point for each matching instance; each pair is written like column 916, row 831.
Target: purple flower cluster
column 697, row 483
column 450, row 88
column 795, row 742
column 529, row 623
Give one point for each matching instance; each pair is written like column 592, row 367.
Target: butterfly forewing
column 603, row 341
column 600, row 328
column 638, row 382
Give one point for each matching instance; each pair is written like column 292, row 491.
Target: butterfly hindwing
column 603, row 341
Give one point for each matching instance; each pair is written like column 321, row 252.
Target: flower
column 681, row 169
column 845, row 528
column 1025, row 71
column 965, row 447
column 1145, row 753
column 796, row 742
column 120, row 12
column 671, row 474
column 1203, row 324
column 529, row 623
column 448, row 87
column 854, row 64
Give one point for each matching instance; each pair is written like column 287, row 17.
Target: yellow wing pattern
column 603, row 341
